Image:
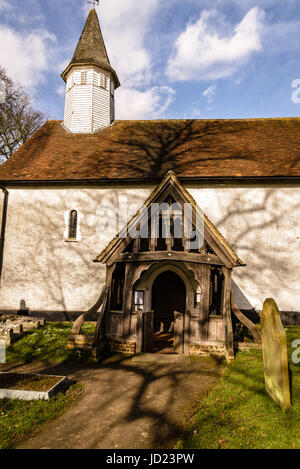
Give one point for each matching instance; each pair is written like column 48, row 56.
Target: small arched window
column 73, row 221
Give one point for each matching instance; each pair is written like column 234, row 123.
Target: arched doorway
column 168, row 295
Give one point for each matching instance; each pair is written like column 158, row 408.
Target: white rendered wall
column 43, row 269
column 262, row 224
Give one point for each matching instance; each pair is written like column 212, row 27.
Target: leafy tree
column 18, row 119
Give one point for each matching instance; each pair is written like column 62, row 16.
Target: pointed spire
column 91, row 49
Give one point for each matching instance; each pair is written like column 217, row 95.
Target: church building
column 80, row 197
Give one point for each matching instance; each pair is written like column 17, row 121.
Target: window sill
column 72, row 240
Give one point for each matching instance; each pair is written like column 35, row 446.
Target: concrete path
column 134, row 404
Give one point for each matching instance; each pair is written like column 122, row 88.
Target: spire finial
column 94, row 3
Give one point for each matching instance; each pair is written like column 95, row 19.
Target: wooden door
column 168, row 295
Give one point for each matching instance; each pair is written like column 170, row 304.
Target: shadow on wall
column 264, row 235
column 61, row 278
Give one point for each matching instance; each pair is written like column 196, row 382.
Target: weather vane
column 94, row 3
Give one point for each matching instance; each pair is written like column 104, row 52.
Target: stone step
column 246, row 346
column 161, row 358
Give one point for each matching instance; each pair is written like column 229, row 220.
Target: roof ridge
column 234, row 119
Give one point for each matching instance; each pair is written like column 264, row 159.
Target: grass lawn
column 238, row 413
column 20, row 418
column 48, row 344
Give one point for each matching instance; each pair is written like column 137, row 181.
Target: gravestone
column 275, row 355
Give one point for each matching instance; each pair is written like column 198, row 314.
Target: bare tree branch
column 18, row 119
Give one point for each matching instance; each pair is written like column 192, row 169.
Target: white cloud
column 59, row 67
column 61, row 90
column 151, row 103
column 195, row 112
column 125, row 25
column 4, row 5
column 210, row 93
column 209, row 50
column 25, row 56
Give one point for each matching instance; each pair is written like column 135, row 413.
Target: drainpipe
column 3, row 227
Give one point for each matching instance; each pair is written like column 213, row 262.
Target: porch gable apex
column 169, row 184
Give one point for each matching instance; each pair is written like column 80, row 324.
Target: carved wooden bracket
column 244, row 320
column 84, row 316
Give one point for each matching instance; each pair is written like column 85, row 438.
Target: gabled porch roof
column 212, row 235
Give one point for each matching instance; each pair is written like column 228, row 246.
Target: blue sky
column 174, row 58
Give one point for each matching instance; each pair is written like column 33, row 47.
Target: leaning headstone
column 275, row 355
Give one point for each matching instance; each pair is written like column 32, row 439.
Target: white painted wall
column 261, row 223
column 43, row 269
column 263, row 227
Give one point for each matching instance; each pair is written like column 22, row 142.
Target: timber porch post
column 227, row 315
column 128, row 298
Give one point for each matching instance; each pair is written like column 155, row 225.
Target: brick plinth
column 81, row 341
column 217, row 350
column 122, row 346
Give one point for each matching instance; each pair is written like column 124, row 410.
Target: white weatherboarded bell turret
column 90, row 82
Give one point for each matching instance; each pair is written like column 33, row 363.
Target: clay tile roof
column 147, row 150
column 91, row 49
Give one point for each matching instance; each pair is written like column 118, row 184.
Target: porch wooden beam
column 169, row 255
column 136, row 245
column 105, row 301
column 127, row 299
